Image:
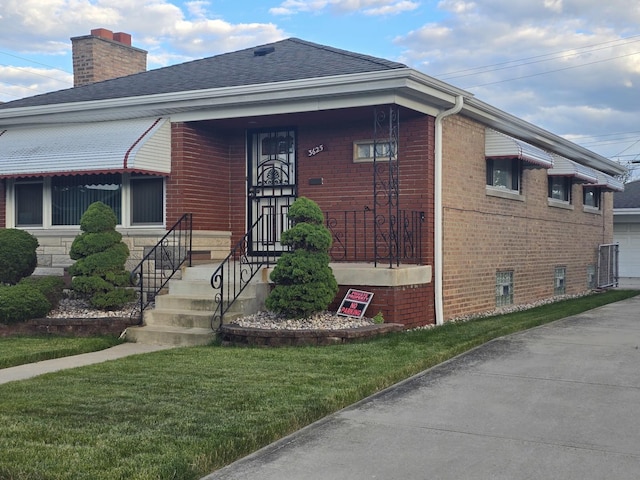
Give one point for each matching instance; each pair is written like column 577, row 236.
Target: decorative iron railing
column 241, row 265
column 161, row 263
column 608, row 263
column 361, row 236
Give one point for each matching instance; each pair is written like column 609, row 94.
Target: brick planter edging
column 235, row 335
column 80, row 327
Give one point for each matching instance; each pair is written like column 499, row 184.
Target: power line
column 553, row 71
column 33, row 61
column 553, row 56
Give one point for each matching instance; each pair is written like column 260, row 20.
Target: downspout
column 437, row 220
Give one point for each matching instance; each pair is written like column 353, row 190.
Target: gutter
column 437, row 221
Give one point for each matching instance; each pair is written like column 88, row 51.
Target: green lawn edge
column 22, row 349
column 185, row 412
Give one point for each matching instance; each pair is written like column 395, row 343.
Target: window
column 591, row 197
column 28, row 204
column 591, row 276
column 560, row 188
column 559, row 281
column 363, row 151
column 72, row 195
column 147, row 195
column 504, row 288
column 61, row 201
column 503, row 174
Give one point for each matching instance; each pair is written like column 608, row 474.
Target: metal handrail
column 161, row 263
column 237, row 270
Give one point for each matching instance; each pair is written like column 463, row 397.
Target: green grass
column 18, row 350
column 182, row 413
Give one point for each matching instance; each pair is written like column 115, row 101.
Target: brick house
column 440, row 204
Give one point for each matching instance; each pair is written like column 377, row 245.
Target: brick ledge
column 247, row 336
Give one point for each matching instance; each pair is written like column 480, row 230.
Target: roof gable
column 290, row 59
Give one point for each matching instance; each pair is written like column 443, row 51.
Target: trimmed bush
column 51, row 287
column 18, row 257
column 99, row 273
column 304, row 281
column 22, row 302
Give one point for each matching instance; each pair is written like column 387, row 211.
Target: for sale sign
column 355, row 303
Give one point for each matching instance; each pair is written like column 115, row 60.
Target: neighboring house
column 626, row 232
column 468, row 207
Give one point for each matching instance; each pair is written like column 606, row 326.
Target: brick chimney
column 104, row 55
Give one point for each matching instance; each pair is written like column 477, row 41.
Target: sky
column 569, row 66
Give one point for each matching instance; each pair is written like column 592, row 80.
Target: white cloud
column 341, row 7
column 18, row 82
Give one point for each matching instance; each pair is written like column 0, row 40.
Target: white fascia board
column 366, row 87
column 626, row 211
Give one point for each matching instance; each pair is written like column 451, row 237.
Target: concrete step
column 178, row 318
column 164, row 335
column 183, row 315
column 185, row 302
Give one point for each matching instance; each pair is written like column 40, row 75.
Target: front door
column 271, row 187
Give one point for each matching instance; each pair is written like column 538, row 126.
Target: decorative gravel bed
column 319, row 321
column 78, row 308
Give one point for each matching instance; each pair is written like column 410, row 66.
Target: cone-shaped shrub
column 100, row 255
column 304, row 281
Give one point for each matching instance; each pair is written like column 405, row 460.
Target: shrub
column 22, row 302
column 18, row 258
column 51, row 287
column 304, row 281
column 100, row 255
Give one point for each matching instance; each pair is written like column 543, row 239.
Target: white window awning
column 500, row 146
column 138, row 145
column 607, row 182
column 563, row 167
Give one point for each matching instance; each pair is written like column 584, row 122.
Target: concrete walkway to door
column 560, row 401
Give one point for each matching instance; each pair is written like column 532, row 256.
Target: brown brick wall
column 349, row 186
column 410, row 305
column 96, row 59
column 483, row 234
column 200, row 179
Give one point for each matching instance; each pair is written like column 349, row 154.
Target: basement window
column 504, row 288
column 559, row 280
column 591, row 276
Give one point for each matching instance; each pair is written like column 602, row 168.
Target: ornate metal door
column 272, row 187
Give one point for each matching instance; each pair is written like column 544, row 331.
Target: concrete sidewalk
column 560, row 401
column 22, row 372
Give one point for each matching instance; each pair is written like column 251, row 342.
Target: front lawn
column 17, row 350
column 185, row 412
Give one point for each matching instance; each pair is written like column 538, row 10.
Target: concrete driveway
column 560, row 401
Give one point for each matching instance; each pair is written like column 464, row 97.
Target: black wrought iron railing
column 358, row 236
column 249, row 255
column 161, row 263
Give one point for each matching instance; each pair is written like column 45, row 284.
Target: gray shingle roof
column 291, row 59
column 630, row 198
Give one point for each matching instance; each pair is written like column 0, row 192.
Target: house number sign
column 355, row 303
column 316, row 150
